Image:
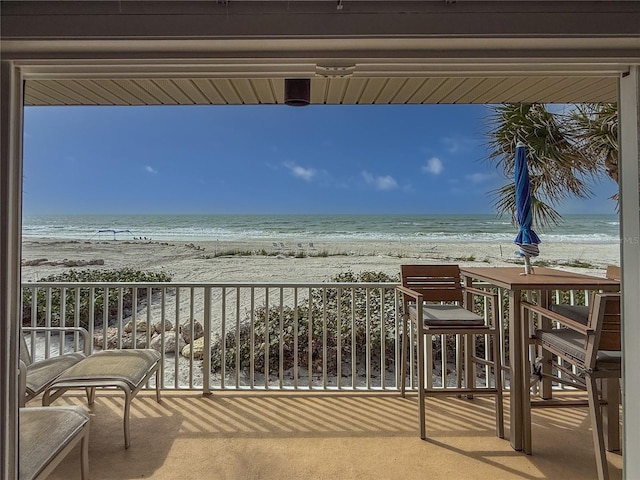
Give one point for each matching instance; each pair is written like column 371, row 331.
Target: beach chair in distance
column 590, row 354
column 47, row 434
column 311, row 246
column 432, row 297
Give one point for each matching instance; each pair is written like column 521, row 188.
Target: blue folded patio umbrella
column 526, row 239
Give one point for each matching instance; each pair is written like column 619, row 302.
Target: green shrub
column 82, row 277
column 320, row 304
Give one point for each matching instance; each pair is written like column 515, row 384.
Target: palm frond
column 544, row 214
column 566, row 153
column 595, row 127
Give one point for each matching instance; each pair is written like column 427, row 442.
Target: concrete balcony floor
column 275, row 435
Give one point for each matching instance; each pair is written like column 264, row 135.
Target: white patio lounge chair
column 126, row 369
column 47, row 435
column 40, row 374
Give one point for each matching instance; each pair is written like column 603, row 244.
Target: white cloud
column 479, row 177
column 383, row 182
column 433, row 166
column 458, row 144
column 306, row 174
column 451, row 144
column 150, row 169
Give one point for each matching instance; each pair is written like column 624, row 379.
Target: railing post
column 47, row 323
column 396, row 313
column 176, row 329
column 368, row 333
column 163, row 301
column 383, row 342
column 149, row 294
column 63, row 319
column 134, row 317
column 76, row 318
column 339, row 339
column 252, row 349
column 120, row 326
column 191, row 334
column 206, row 361
column 296, row 360
column 34, row 317
column 266, row 338
column 354, row 358
column 281, row 341
column 324, row 338
column 237, row 367
column 310, row 345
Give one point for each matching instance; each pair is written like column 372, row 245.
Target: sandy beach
column 262, row 262
column 218, row 261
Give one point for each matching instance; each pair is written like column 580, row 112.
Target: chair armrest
column 551, row 315
column 410, row 293
column 86, row 344
column 477, row 291
column 492, row 299
column 22, row 382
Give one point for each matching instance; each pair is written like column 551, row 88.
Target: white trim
column 629, row 118
column 103, row 40
column 305, row 68
column 11, row 109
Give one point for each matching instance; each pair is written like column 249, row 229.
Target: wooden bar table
column 545, row 280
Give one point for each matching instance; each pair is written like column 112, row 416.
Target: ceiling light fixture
column 297, row 91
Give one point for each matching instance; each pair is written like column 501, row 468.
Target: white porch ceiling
column 324, row 91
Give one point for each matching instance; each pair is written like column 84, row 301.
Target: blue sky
column 264, row 159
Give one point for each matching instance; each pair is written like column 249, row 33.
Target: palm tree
column 566, row 153
column 595, row 128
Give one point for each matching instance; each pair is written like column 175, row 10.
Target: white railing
column 304, row 342
column 308, row 340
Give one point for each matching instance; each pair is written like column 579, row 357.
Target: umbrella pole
column 527, row 265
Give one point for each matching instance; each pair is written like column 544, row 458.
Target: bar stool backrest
column 436, row 283
column 604, row 322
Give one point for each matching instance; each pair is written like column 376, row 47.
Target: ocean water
column 309, row 228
